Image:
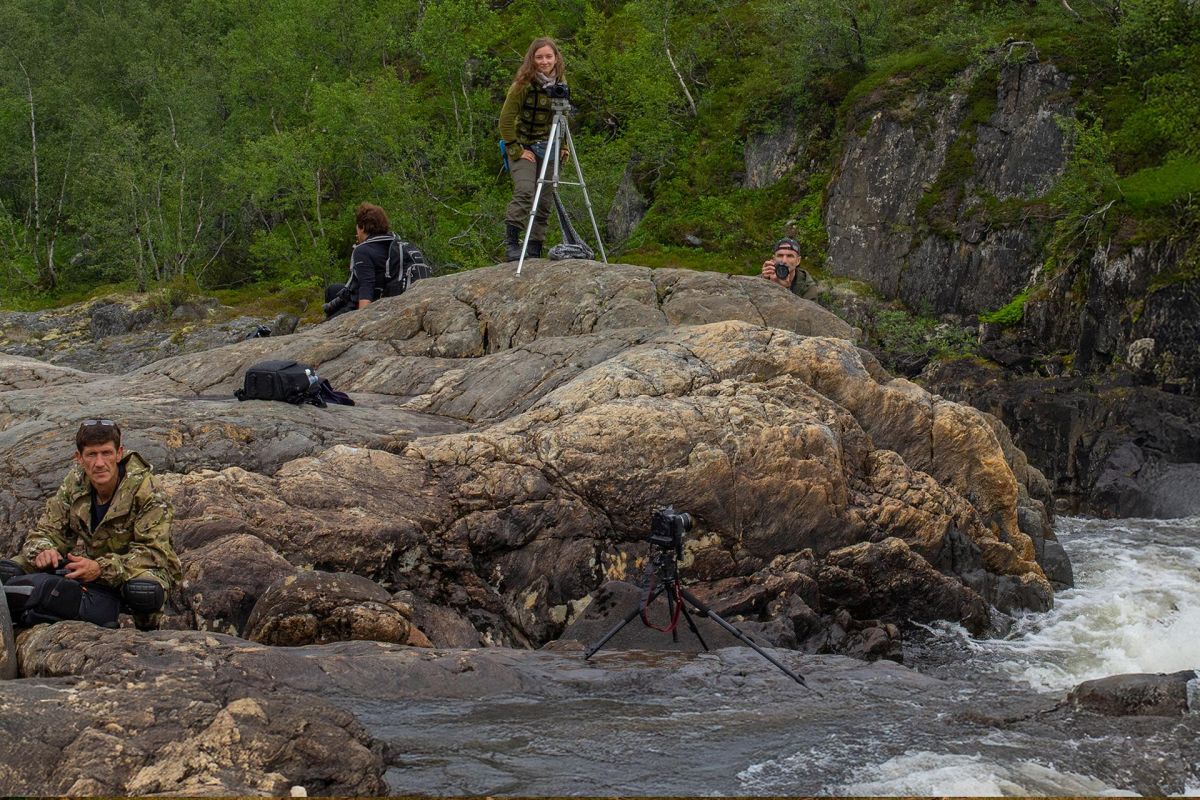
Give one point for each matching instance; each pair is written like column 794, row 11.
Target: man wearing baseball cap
column 784, row 269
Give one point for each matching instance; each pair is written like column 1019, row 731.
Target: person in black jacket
column 380, row 264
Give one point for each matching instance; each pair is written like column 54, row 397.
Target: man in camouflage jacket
column 107, row 527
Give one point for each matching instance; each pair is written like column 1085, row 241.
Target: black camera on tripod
column 558, row 91
column 667, row 529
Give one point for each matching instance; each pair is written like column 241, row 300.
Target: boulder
column 320, row 607
column 223, row 580
column 1143, row 694
column 110, row 319
column 169, row 713
column 887, row 580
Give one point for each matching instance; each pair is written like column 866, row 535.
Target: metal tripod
column 559, row 128
column 666, row 567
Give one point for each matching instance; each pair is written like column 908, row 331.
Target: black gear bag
column 41, row 597
column 286, row 381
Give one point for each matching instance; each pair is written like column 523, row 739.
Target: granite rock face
column 513, row 436
column 493, row 483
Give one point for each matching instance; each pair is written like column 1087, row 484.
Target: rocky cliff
column 940, row 200
column 910, row 207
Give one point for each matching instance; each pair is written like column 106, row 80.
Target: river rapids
column 964, row 716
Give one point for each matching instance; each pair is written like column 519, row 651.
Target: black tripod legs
column 591, row 651
column 706, row 611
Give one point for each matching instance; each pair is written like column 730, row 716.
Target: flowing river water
column 963, row 717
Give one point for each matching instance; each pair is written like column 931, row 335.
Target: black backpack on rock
column 287, row 381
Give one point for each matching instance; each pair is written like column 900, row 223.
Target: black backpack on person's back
column 404, row 265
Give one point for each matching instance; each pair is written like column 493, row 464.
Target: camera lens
column 781, row 270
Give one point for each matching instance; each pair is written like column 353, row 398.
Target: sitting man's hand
column 47, row 558
column 80, row 568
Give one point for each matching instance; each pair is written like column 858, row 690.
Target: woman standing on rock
column 525, row 123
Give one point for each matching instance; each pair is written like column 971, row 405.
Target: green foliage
column 1009, row 314
column 912, row 339
column 1160, row 187
column 221, row 142
column 900, row 74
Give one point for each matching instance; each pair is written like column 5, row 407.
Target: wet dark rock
column 1109, row 450
column 887, row 580
column 1162, row 695
column 1169, row 318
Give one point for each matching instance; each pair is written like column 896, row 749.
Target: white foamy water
column 1135, row 608
column 923, row 773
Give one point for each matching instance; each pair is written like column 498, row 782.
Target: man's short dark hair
column 372, row 219
column 97, row 431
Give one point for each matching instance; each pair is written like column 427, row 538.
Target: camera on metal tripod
column 667, row 530
column 560, row 131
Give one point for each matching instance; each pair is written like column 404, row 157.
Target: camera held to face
column 782, row 270
column 667, row 529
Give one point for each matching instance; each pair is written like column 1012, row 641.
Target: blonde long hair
column 529, row 69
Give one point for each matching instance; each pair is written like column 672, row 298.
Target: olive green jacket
column 132, row 541
column 525, row 118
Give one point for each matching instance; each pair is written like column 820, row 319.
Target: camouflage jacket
column 132, row 541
